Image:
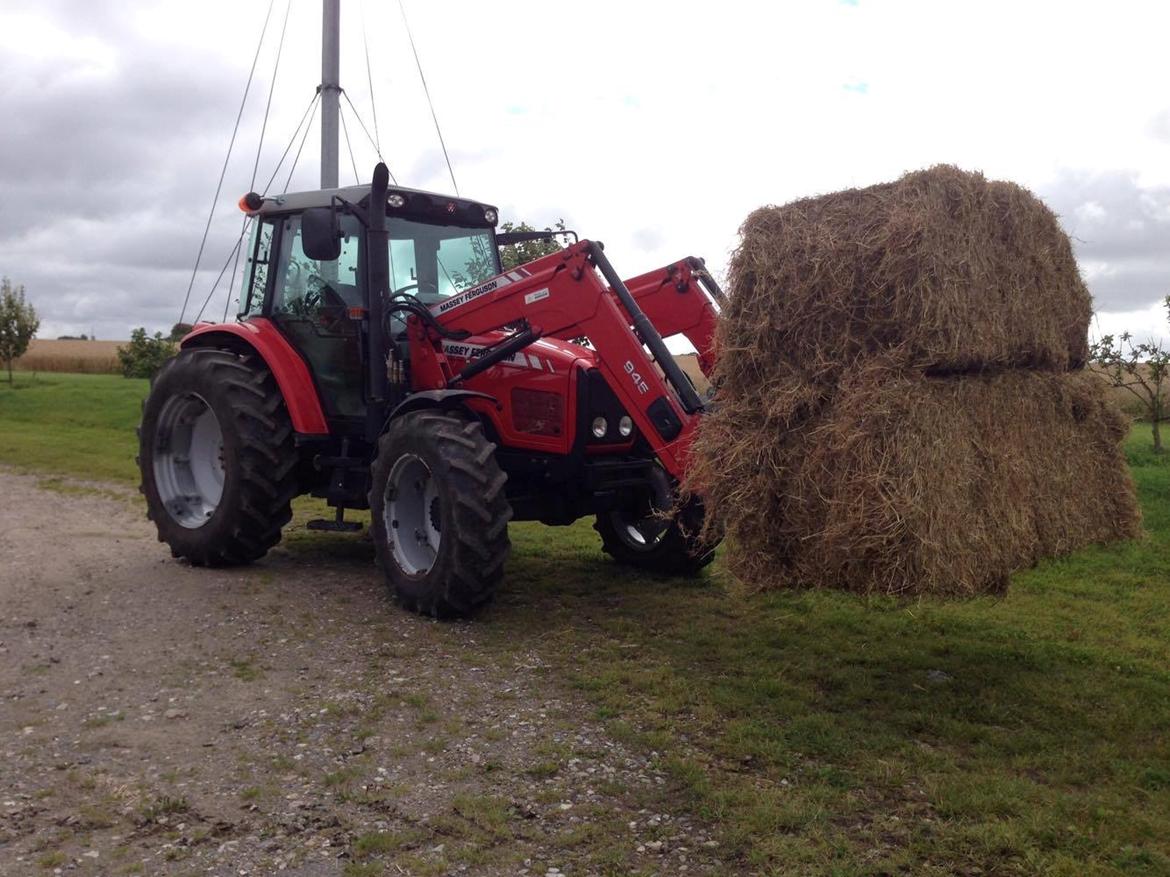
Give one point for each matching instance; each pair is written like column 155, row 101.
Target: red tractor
column 383, row 360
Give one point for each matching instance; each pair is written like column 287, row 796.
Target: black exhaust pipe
column 378, row 288
column 647, row 333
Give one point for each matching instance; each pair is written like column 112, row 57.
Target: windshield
column 436, row 261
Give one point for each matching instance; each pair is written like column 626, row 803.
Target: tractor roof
column 418, row 203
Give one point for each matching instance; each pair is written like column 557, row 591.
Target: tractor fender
column 434, row 399
column 292, row 376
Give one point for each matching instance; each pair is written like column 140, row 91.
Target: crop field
column 1132, row 405
column 814, row 733
column 85, row 357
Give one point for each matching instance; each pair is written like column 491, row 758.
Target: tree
column 18, row 323
column 481, row 265
column 517, row 254
column 1141, row 369
column 144, row 355
column 179, row 330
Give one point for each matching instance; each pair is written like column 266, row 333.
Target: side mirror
column 320, row 234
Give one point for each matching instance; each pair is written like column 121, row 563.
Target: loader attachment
column 573, row 293
column 682, row 299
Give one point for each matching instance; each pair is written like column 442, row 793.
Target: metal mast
column 330, row 90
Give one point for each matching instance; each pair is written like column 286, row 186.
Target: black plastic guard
column 434, row 399
column 661, row 414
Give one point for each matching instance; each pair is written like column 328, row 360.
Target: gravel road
column 285, row 718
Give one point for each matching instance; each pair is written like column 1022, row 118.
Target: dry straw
column 895, row 412
column 914, row 485
column 942, row 270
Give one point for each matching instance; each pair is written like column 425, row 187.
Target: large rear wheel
column 439, row 516
column 655, row 535
column 216, row 457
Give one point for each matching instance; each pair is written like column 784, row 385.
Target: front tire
column 439, row 516
column 659, row 535
column 217, row 458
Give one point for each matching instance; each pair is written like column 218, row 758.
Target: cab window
column 303, row 285
column 256, row 271
column 311, row 304
column 432, row 262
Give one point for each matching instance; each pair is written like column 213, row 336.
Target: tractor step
column 337, row 525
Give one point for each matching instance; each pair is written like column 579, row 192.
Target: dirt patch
column 287, row 717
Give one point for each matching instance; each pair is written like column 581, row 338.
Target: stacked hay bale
column 900, row 406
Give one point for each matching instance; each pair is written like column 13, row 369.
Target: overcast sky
column 654, row 127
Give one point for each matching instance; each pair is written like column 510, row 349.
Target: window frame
column 246, row 311
column 277, row 244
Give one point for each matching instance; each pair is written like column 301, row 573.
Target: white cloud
column 655, row 127
column 1145, row 324
column 1091, row 211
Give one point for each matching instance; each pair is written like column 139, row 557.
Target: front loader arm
column 681, row 299
column 563, row 295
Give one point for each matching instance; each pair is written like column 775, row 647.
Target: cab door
column 311, row 303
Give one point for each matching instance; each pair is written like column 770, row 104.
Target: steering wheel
column 324, row 296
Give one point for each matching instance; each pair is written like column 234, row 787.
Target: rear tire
column 647, row 540
column 439, row 516
column 217, row 458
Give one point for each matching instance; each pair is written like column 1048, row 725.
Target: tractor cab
column 437, row 246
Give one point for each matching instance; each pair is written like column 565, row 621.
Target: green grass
column 245, row 669
column 51, row 860
column 827, row 734
column 78, row 425
column 819, row 733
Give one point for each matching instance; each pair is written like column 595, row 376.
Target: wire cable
column 227, row 158
column 427, row 92
column 235, row 265
column 271, row 92
column 223, row 270
column 349, row 146
column 366, row 130
column 296, row 133
column 370, row 80
column 297, row 157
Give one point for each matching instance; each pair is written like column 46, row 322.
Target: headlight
column 625, row 426
column 395, row 200
column 600, row 426
column 489, row 216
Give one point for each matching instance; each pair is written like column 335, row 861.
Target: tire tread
column 267, row 461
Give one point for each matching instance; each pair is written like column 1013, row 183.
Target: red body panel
column 561, row 296
column 286, row 365
column 546, row 366
column 675, row 303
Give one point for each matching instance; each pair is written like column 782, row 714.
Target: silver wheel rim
column 643, row 534
column 411, row 511
column 188, row 460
